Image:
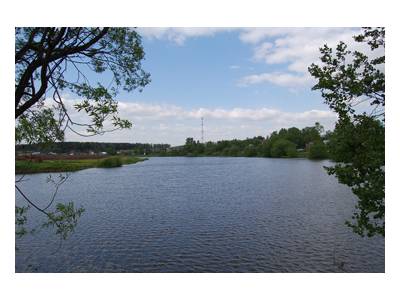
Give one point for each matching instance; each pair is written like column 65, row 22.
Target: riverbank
column 301, row 154
column 61, row 165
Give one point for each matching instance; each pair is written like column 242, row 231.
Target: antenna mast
column 202, row 130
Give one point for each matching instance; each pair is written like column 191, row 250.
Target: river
column 201, row 215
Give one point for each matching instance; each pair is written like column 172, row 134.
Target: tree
column 250, row 150
column 190, row 145
column 50, row 61
column 311, row 134
column 346, row 79
column 234, row 150
column 294, row 135
column 282, row 148
column 318, row 150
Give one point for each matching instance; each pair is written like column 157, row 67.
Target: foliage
column 344, row 84
column 110, row 162
column 64, row 218
column 38, row 126
column 20, row 220
column 359, row 146
column 54, row 60
column 295, row 136
column 346, row 79
column 283, row 143
column 318, row 150
column 283, row 148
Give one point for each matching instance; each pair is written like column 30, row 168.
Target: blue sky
column 243, row 81
column 205, row 71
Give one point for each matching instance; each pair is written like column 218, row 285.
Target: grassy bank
column 26, row 167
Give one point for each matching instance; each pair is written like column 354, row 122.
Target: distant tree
column 190, row 145
column 283, row 133
column 250, row 150
column 233, row 150
column 265, row 149
column 53, row 60
column 291, row 150
column 318, row 150
column 209, row 148
column 319, row 128
column 311, row 134
column 283, row 148
column 346, row 79
column 295, row 136
column 111, row 150
column 256, row 146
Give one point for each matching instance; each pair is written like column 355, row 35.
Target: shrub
column 283, row 148
column 110, row 162
column 318, row 150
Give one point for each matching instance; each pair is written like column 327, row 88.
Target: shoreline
column 62, row 165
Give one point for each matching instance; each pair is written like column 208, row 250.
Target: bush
column 318, row 150
column 250, row 151
column 110, row 162
column 283, row 148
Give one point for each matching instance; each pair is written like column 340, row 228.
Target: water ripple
column 203, row 215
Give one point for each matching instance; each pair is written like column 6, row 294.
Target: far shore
column 72, row 165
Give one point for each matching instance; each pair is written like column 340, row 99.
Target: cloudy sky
column 244, row 82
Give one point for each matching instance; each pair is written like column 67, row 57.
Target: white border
column 198, row 13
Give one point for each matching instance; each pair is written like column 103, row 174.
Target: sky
column 244, row 82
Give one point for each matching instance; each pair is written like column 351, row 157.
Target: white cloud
column 294, row 50
column 255, row 35
column 163, row 112
column 262, row 50
column 179, row 35
column 233, row 67
column 155, row 123
column 299, row 47
column 281, row 79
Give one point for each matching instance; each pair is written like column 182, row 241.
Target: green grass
column 111, row 162
column 25, row 167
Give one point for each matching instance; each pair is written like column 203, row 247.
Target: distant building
column 124, row 151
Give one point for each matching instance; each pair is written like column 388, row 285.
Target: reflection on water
column 203, row 215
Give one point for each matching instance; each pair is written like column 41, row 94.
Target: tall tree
column 347, row 79
column 53, row 60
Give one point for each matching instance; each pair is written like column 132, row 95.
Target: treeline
column 291, row 142
column 86, row 147
column 308, row 142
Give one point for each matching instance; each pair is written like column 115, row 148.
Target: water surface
column 202, row 215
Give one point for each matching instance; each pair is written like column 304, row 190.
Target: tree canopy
column 346, row 80
column 50, row 61
column 287, row 142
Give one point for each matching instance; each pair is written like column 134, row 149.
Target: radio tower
column 202, row 130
